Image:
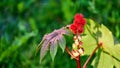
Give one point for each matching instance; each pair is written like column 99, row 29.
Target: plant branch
column 76, row 58
column 78, row 62
column 89, row 58
column 69, row 52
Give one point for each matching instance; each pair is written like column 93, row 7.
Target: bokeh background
column 24, row 22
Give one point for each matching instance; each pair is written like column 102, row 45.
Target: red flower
column 78, row 24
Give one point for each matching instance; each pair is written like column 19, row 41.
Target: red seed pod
column 78, row 16
column 73, row 28
column 78, row 24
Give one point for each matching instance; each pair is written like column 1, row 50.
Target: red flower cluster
column 78, row 24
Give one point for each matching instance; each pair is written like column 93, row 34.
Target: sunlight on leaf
column 103, row 60
column 109, row 55
column 106, row 36
column 89, row 42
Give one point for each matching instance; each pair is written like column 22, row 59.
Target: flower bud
column 74, row 46
column 76, row 42
column 81, row 51
column 75, row 37
column 75, row 53
column 80, row 44
column 79, row 37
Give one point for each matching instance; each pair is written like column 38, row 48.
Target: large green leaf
column 113, row 51
column 89, row 40
column 103, row 60
column 106, row 36
column 117, row 64
column 109, row 55
column 116, row 51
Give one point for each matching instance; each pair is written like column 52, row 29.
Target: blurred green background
column 24, row 22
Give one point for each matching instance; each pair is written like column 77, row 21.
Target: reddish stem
column 69, row 52
column 78, row 62
column 76, row 58
column 89, row 58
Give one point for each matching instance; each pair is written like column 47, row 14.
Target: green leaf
column 62, row 42
column 109, row 55
column 33, row 24
column 117, row 51
column 89, row 40
column 53, row 49
column 97, row 57
column 103, row 60
column 113, row 51
column 39, row 46
column 106, row 36
column 16, row 45
column 21, row 6
column 117, row 64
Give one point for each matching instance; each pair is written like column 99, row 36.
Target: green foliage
column 24, row 22
column 109, row 53
column 15, row 45
column 97, row 35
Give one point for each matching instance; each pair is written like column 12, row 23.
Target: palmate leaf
column 103, row 60
column 117, row 55
column 52, row 40
column 89, row 41
column 109, row 56
column 106, row 36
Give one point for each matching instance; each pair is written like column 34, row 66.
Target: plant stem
column 78, row 62
column 89, row 58
column 76, row 58
column 69, row 52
